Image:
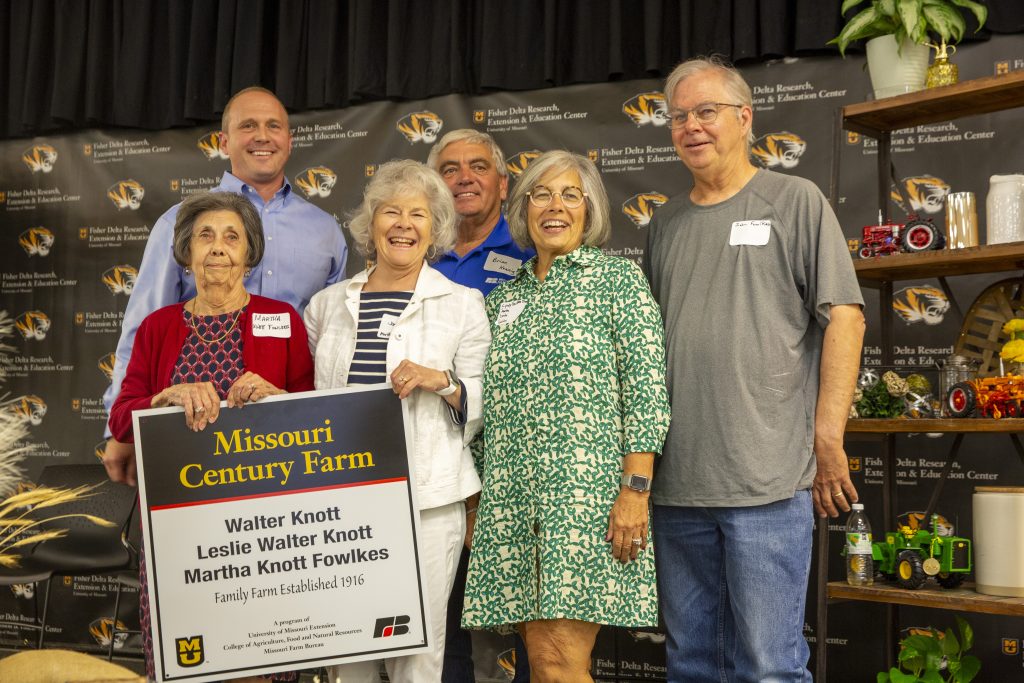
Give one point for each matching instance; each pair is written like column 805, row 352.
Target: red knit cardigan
column 284, row 362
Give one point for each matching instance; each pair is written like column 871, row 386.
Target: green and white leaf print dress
column 575, row 380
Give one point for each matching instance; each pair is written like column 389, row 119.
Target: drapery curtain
column 161, row 63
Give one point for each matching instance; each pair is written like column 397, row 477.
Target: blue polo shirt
column 490, row 263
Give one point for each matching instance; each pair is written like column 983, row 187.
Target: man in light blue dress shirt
column 305, row 248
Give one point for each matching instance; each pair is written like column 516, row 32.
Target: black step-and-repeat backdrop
column 76, row 212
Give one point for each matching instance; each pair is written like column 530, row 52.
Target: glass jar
column 1004, row 209
column 955, row 368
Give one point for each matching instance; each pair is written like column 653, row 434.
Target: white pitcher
column 1004, row 207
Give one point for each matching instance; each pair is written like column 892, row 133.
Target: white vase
column 1004, row 208
column 896, row 71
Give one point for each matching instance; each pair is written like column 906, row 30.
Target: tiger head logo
column 209, row 145
column 775, row 150
column 33, row 325
column 653, row 637
column 640, row 207
column 921, row 303
column 99, row 449
column 317, row 181
column 517, row 163
column 126, row 194
column 647, row 108
column 25, row 591
column 507, row 663
column 36, row 241
column 120, row 279
column 28, row 408
column 40, row 158
column 926, row 194
column 916, row 520
column 102, row 630
column 106, row 366
column 420, row 126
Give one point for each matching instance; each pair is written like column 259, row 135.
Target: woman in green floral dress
column 575, row 410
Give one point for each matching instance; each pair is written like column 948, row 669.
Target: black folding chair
column 87, row 548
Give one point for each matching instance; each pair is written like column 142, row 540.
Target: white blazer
column 444, row 327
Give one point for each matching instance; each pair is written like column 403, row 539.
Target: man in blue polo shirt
column 473, row 167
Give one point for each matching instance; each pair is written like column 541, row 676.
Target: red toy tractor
column 993, row 397
column 917, row 234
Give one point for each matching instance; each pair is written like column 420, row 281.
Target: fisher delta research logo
column 647, row 109
column 780, row 150
column 925, row 193
column 316, row 181
column 920, row 304
column 40, row 158
column 28, row 408
column 190, row 651
column 33, row 325
column 106, row 366
column 420, row 126
column 126, row 194
column 36, row 241
column 120, row 279
column 209, row 145
column 391, row 626
column 640, row 207
column 518, row 162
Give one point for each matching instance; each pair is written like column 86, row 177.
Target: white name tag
column 509, row 311
column 387, row 323
column 498, row 263
column 755, row 233
column 271, row 325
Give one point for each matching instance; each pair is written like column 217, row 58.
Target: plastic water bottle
column 860, row 567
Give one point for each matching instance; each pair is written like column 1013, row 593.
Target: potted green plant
column 897, row 34
column 935, row 657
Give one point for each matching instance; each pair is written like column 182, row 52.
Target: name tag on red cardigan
column 271, row 325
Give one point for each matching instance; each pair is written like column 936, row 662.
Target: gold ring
column 838, row 494
column 403, row 380
column 199, row 409
column 637, row 541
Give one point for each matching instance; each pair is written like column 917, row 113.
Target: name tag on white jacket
column 754, row 233
column 271, row 325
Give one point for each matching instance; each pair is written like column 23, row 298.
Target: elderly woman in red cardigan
column 224, row 344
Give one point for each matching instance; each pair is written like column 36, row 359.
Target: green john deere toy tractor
column 910, row 556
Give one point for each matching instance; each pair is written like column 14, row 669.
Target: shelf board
column 944, row 262
column 862, row 425
column 962, row 599
column 950, row 102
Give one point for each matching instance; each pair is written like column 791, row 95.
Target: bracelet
column 470, row 511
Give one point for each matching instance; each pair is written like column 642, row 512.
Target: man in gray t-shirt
column 763, row 328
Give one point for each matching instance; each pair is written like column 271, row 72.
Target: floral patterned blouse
column 574, row 381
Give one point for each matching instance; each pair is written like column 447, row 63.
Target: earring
column 432, row 252
column 248, row 272
column 188, row 271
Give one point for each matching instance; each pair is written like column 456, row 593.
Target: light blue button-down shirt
column 305, row 252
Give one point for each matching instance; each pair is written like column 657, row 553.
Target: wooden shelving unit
column 878, row 119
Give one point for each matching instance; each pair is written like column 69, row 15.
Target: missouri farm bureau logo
column 317, row 181
column 420, row 126
column 640, row 207
column 920, row 304
column 209, row 145
column 189, row 650
column 120, row 279
column 647, row 108
column 126, row 194
column 33, row 325
column 391, row 626
column 40, row 158
column 926, row 194
column 28, row 408
column 518, row 162
column 778, row 150
column 106, row 366
column 36, row 241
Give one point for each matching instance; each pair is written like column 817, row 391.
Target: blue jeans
column 733, row 584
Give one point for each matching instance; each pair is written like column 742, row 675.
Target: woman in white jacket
column 402, row 322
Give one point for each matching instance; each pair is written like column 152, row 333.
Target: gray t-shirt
column 744, row 324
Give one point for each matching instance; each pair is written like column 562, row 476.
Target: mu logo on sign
column 209, row 145
column 517, row 163
column 126, row 194
column 40, row 158
column 921, row 303
column 647, row 108
column 28, row 408
column 120, row 279
column 640, row 207
column 190, row 650
column 420, row 126
column 36, row 241
column 33, row 325
column 317, row 181
column 775, row 150
column 925, row 192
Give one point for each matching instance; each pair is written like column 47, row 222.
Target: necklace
column 234, row 321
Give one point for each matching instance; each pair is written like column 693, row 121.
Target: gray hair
column 597, row 228
column 398, row 179
column 735, row 85
column 225, row 118
column 472, row 137
column 198, row 204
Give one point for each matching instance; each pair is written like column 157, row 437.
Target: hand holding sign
column 250, row 388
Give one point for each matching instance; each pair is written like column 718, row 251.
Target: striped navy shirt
column 378, row 312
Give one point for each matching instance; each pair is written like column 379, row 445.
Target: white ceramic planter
column 894, row 71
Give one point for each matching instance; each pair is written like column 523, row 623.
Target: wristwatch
column 636, row 482
column 453, row 384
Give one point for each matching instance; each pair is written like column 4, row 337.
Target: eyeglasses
column 705, row 112
column 572, row 197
